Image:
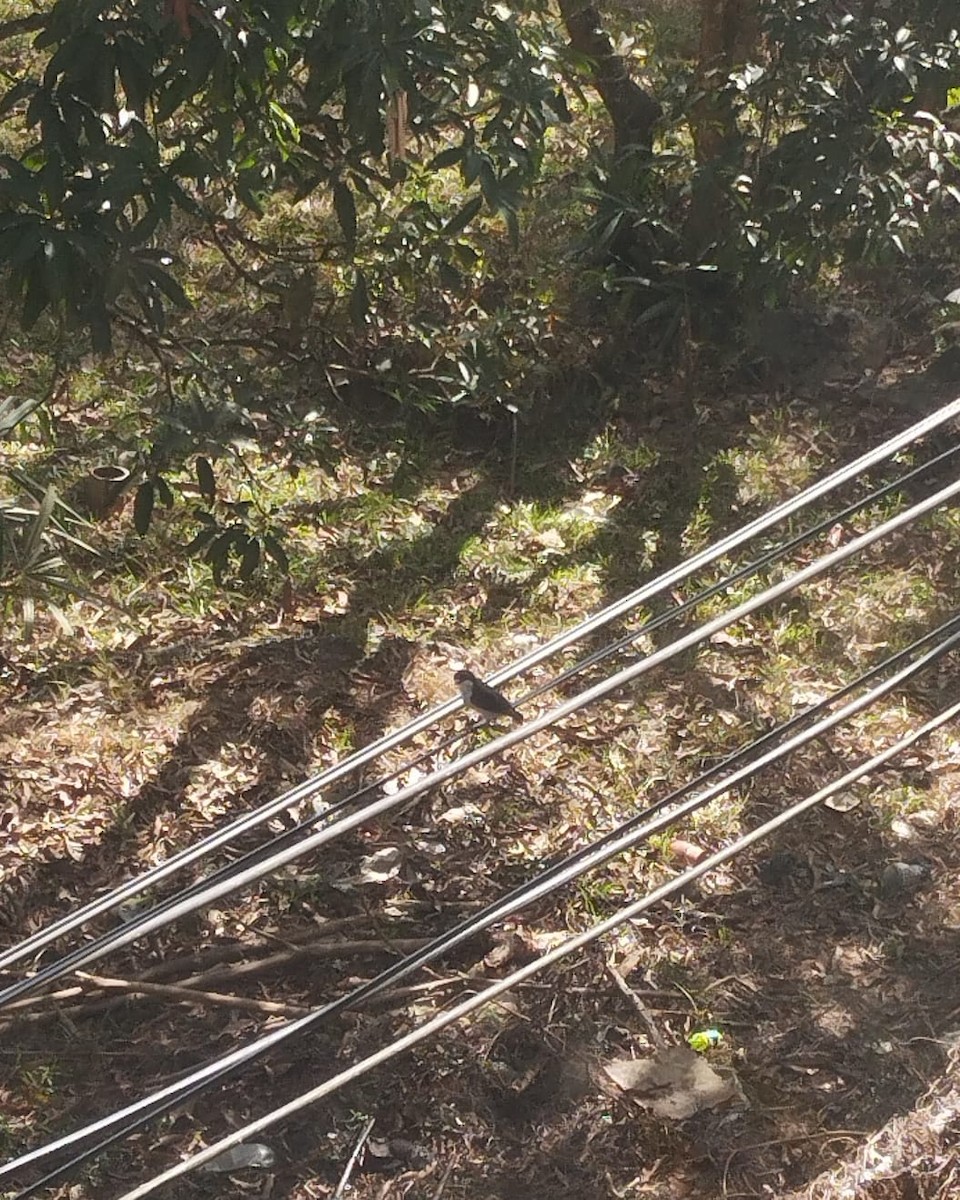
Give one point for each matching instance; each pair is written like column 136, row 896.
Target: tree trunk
column 728, row 31
column 633, row 111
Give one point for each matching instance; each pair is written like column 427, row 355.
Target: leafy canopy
column 128, row 113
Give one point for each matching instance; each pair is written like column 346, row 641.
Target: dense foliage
column 399, row 194
column 806, row 144
column 125, row 114
column 814, row 150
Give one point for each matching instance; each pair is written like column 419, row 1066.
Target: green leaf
column 206, row 480
column 135, row 75
column 12, row 412
column 218, row 552
column 489, row 184
column 40, row 523
column 513, row 225
column 446, row 158
column 29, row 616
column 200, row 540
column 60, row 617
column 557, row 103
column 359, row 301
column 37, row 297
column 164, row 494
column 98, row 322
column 275, row 550
column 471, row 164
column 166, row 283
column 346, row 210
column 246, row 194
column 450, row 277
column 250, row 559
column 462, row 219
column 143, row 507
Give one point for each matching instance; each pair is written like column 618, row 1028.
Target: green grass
column 414, row 546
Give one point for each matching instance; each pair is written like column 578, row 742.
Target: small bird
column 485, row 699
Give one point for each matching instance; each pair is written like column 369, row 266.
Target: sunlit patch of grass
column 521, row 539
column 39, row 1082
column 719, row 820
column 596, row 896
column 898, row 800
column 778, row 457
column 609, row 448
column 867, row 606
column 569, row 588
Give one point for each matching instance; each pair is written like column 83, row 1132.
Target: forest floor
column 837, row 1000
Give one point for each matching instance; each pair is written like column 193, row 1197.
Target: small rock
column 687, row 852
column 902, row 829
column 247, row 1154
column 900, row 878
column 395, row 1154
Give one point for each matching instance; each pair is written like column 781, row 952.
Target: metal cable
column 104, row 943
column 647, row 627
column 390, row 741
column 624, row 837
column 82, row 956
column 566, row 948
column 750, row 568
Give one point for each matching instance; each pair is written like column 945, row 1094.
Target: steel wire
column 625, row 836
column 82, row 956
column 104, row 943
column 390, row 741
column 566, row 948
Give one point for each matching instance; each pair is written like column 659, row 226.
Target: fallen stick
column 47, row 1011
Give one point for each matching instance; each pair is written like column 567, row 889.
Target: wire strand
column 566, row 948
column 308, row 788
column 290, row 836
column 83, row 956
column 625, row 836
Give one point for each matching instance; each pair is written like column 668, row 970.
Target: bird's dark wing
column 490, row 700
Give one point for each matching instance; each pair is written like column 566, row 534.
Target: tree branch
column 20, row 25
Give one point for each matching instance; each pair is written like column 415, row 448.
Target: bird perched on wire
column 483, row 698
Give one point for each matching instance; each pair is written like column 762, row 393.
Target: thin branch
column 141, row 988
column 326, row 949
column 21, row 25
column 212, row 956
column 236, row 266
column 444, row 1177
column 655, row 1035
column 192, row 996
column 352, row 1160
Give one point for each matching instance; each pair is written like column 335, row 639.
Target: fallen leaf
column 674, row 1084
column 550, row 541
column 380, row 866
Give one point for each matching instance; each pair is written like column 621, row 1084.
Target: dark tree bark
column 633, row 111
column 728, row 32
